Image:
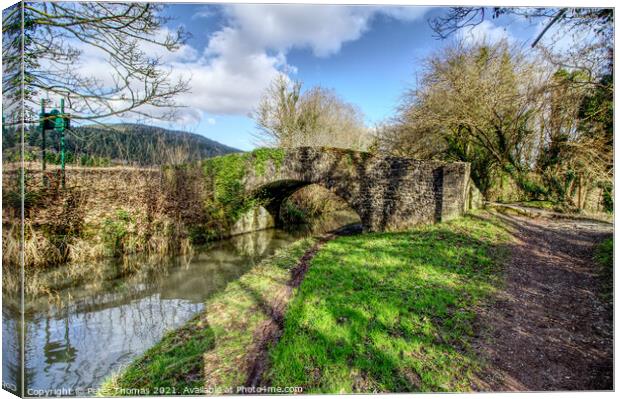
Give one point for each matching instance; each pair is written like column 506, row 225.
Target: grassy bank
column 390, row 312
column 546, row 205
column 212, row 349
column 376, row 312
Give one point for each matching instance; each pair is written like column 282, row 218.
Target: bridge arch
column 275, row 193
column 388, row 193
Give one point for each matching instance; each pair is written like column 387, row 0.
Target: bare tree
column 511, row 114
column 476, row 104
column 599, row 20
column 576, row 152
column 591, row 30
column 54, row 36
column 277, row 114
column 286, row 117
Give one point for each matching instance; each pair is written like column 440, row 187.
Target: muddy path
column 549, row 328
column 267, row 334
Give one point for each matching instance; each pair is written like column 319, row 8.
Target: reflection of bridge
column 388, row 193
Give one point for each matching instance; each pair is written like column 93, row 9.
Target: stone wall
column 388, row 193
column 253, row 220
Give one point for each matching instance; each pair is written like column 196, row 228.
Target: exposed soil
column 549, row 328
column 268, row 333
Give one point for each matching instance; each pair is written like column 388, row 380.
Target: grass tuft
column 604, row 256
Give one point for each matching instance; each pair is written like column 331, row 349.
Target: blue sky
column 368, row 55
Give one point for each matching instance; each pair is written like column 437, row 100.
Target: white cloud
column 187, row 116
column 323, row 28
column 404, row 13
column 487, row 32
column 243, row 57
column 206, row 11
column 183, row 116
column 281, row 27
column 211, row 121
column 229, row 82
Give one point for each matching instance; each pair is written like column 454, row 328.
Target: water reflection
column 11, row 342
column 91, row 330
column 330, row 222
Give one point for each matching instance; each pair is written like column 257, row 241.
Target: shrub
column 115, row 231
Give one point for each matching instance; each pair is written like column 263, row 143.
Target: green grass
column 391, row 312
column 604, row 256
column 218, row 339
column 546, row 205
column 377, row 312
column 176, row 361
column 604, row 253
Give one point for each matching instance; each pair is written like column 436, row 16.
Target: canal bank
column 88, row 328
column 220, row 346
column 386, row 312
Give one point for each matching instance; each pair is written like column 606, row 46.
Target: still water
column 80, row 335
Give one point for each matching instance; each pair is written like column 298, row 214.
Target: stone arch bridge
column 388, row 193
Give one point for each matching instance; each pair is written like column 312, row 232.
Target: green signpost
column 42, row 127
column 59, row 121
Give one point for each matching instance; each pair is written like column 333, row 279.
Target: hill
column 133, row 144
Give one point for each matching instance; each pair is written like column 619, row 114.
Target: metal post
column 62, row 142
column 42, row 126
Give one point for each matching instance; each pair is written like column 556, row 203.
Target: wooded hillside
column 131, row 144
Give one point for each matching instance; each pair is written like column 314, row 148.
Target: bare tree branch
column 54, row 38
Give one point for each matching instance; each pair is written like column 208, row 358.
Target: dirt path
column 549, row 328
